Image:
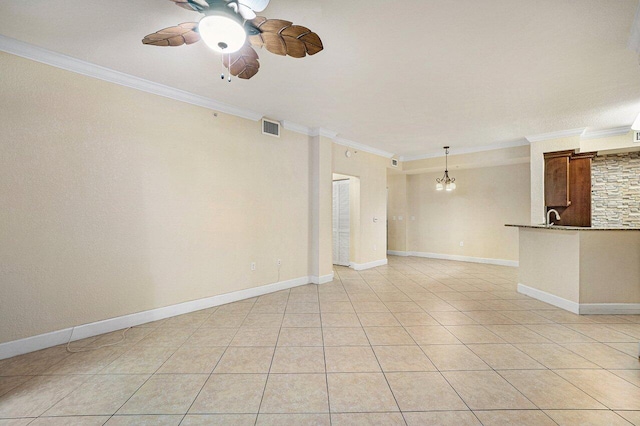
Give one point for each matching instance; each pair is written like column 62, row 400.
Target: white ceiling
column 405, row 77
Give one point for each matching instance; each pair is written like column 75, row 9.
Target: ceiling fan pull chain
column 222, row 73
column 229, row 57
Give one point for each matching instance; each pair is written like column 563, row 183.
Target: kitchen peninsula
column 585, row 270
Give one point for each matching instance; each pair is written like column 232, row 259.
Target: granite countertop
column 574, row 228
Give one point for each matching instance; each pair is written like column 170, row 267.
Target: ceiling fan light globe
column 439, row 187
column 453, row 186
column 222, row 33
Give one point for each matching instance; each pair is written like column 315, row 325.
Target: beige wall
column 397, row 212
column 116, row 201
column 372, row 172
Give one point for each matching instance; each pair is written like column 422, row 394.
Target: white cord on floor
column 73, row 351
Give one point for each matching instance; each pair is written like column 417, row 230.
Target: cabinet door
column 556, row 182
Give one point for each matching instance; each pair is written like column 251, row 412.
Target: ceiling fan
column 232, row 28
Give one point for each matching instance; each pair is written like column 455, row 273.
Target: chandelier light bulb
column 453, row 186
column 439, row 187
column 221, row 32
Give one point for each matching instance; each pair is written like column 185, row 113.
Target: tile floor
column 417, row 342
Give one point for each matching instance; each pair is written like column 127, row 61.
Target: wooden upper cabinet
column 556, row 179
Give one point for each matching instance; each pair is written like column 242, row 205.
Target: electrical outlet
column 253, row 266
column 461, row 243
column 279, row 262
column 394, row 218
column 400, row 218
column 413, row 218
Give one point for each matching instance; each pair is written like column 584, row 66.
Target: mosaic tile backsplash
column 615, row 190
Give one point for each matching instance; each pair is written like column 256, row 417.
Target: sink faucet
column 548, row 223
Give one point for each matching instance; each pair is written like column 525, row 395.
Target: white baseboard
column 398, row 253
column 610, row 308
column 322, row 279
column 59, row 337
column 485, row 260
column 581, row 308
column 368, row 265
column 549, row 298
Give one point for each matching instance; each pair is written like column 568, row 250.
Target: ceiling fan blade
column 174, row 36
column 197, row 5
column 283, row 38
column 256, row 5
column 246, row 12
column 243, row 63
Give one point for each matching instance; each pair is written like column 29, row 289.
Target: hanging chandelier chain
column 446, row 182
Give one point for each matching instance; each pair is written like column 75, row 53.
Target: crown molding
column 555, row 135
column 298, row 128
column 470, row 150
column 596, row 134
column 361, row 147
column 58, row 60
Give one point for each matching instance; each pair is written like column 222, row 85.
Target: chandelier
column 445, row 182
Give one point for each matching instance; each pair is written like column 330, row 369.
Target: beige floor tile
column 548, row 391
column 166, row 337
column 468, row 305
column 256, row 336
column 563, row 317
column 231, row 320
column 336, row 307
column 131, row 337
column 230, row 393
column 586, row 418
column 89, row 362
column 303, row 298
column 631, row 416
column 520, row 418
column 100, row 395
column 378, row 319
column 632, row 376
column 406, row 307
column 192, row 360
column 70, row 421
column 388, row 336
column 301, row 320
column 630, row 329
column 139, row 360
column 293, row 420
column 295, row 393
column 345, row 336
column 415, row 318
column 517, row 334
column 144, row 420
column 298, row 360
column 300, row 336
column 452, row 318
column 32, row 363
column 192, row 320
column 602, row 333
column 16, row 422
column 425, row 391
column 489, row 317
column 442, row 418
column 403, row 358
column 241, row 307
column 245, row 360
column 486, row 390
column 454, row 357
column 360, row 392
column 394, row 296
column 505, row 357
column 351, row 359
column 219, row 419
column 628, row 348
column 11, row 382
column 469, row 334
column 263, row 320
column 605, row 356
column 165, row 394
column 340, row 320
column 302, row 308
column 269, row 308
column 605, row 387
column 525, row 317
column 432, row 335
column 36, row 396
column 361, row 306
column 211, row 336
column 432, row 306
column 555, row 356
column 367, row 419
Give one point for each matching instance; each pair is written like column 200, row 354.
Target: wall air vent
column 636, row 136
column 271, row 128
column 394, row 162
